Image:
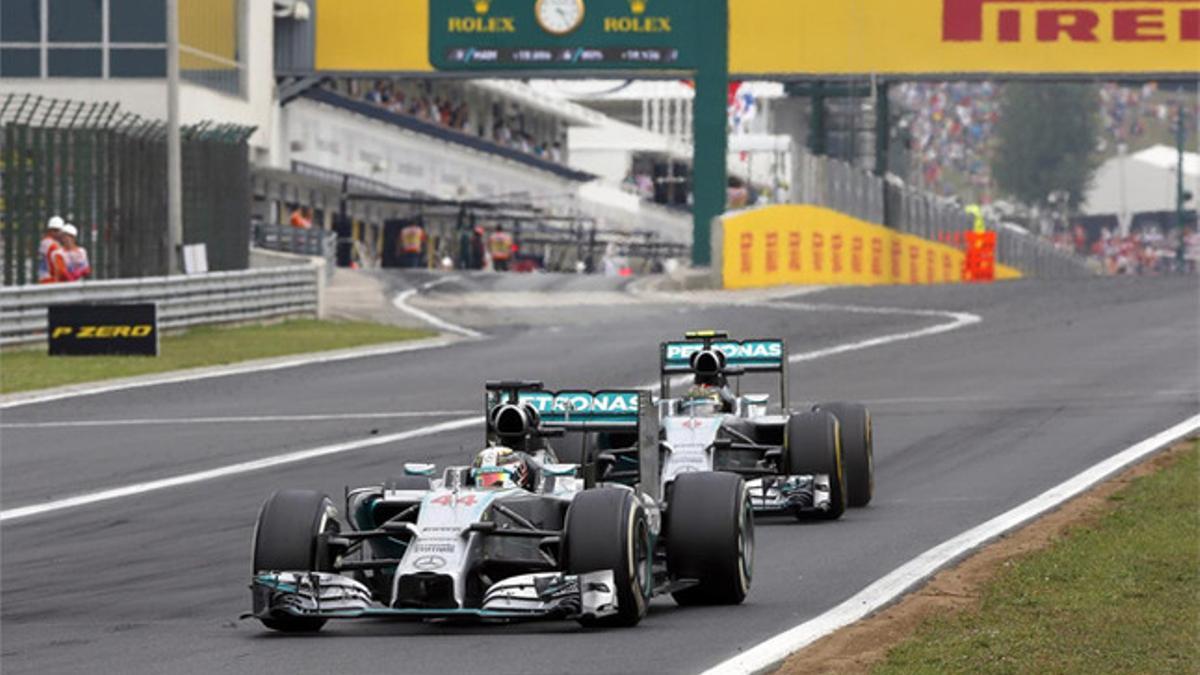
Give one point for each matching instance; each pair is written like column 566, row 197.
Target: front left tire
column 607, row 529
column 287, row 538
column 858, row 450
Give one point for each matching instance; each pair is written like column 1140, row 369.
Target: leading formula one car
column 515, row 536
column 816, row 461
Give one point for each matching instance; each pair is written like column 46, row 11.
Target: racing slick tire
column 285, row 538
column 814, row 447
column 858, row 452
column 607, row 529
column 710, row 538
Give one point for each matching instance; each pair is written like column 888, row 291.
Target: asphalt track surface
column 969, row 423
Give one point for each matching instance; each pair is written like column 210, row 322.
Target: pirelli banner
column 785, row 38
column 812, row 245
column 858, row 38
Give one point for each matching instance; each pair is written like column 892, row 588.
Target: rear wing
column 755, row 355
column 608, row 410
column 580, row 410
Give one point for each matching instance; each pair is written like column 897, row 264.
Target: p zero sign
column 90, row 330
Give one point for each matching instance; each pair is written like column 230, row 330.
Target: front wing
column 522, row 598
column 790, row 494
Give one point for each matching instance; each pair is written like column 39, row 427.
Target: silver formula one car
column 516, row 535
column 817, row 461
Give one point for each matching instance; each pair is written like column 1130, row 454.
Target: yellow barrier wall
column 812, row 245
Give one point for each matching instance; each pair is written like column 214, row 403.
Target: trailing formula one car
column 817, row 461
column 515, row 536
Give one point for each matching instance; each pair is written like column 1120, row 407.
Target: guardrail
column 315, row 243
column 193, row 300
column 838, row 185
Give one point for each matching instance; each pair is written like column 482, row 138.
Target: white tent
column 1143, row 181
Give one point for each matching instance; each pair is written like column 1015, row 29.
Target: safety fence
column 183, row 301
column 929, row 217
column 310, row 242
column 838, row 185
column 104, row 170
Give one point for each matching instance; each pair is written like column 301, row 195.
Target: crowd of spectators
column 1130, row 112
column 449, row 109
column 1147, row 251
column 950, row 125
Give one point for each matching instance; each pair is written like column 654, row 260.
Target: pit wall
column 811, row 245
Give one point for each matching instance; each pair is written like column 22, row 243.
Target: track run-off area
column 127, row 514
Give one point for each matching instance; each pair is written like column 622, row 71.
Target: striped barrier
column 792, row 244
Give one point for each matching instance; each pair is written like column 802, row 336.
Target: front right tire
column 710, row 538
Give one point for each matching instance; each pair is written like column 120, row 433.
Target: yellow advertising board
column 208, row 33
column 930, row 37
column 810, row 245
column 374, row 35
column 845, row 37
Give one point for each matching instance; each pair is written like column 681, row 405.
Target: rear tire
column 858, row 451
column 814, row 447
column 607, row 530
column 710, row 538
column 286, row 539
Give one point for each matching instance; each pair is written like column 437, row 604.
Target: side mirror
column 419, row 469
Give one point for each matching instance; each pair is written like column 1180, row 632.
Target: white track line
column 251, row 419
column 233, row 469
column 400, row 302
column 957, row 320
column 887, row 589
column 259, row 366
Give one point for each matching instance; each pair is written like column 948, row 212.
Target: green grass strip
column 25, row 369
column 1121, row 595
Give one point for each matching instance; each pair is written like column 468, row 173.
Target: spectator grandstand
column 464, row 107
column 950, row 126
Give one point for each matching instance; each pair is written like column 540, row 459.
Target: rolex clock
column 559, row 17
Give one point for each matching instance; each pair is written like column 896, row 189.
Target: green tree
column 1046, row 140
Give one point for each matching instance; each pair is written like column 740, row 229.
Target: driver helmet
column 498, row 467
column 702, row 399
